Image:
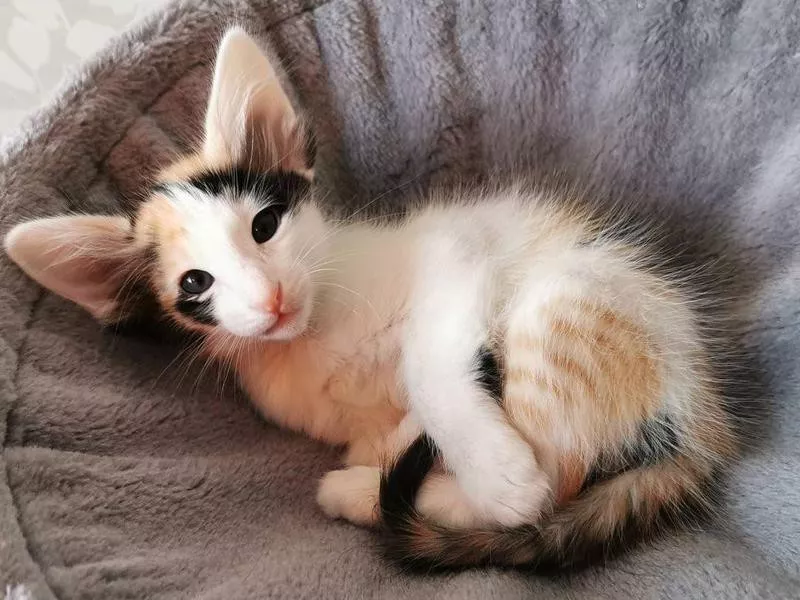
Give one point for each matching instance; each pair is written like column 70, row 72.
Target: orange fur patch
column 572, row 473
column 583, row 383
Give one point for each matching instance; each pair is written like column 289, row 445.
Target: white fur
column 351, row 494
column 216, row 237
column 452, row 303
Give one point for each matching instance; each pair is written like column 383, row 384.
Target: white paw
column 504, row 482
column 351, row 494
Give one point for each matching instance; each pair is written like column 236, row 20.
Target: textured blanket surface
column 126, row 474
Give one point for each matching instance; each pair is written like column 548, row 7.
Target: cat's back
column 505, row 225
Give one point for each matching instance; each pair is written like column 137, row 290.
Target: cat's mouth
column 284, row 327
column 290, row 318
column 284, row 319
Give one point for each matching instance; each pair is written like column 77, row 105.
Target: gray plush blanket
column 127, row 474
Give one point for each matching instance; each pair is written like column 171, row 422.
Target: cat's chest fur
column 340, row 382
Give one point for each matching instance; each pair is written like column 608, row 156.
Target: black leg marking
column 488, row 373
column 399, row 488
column 400, row 484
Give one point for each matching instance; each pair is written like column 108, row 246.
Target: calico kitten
column 563, row 388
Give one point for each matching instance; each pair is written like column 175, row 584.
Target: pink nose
column 273, row 304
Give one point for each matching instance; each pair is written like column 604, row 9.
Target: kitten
column 563, row 388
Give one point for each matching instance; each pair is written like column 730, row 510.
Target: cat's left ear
column 250, row 120
column 87, row 259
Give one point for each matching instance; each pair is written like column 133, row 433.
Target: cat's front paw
column 505, row 483
column 351, row 494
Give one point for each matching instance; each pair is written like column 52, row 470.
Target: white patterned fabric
column 42, row 42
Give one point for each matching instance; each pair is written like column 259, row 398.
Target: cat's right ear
column 85, row 259
column 250, row 120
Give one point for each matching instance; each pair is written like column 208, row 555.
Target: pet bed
column 124, row 474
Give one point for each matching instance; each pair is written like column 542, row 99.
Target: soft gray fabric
column 123, row 477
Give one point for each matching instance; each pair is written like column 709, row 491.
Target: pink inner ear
column 250, row 119
column 83, row 259
column 92, row 283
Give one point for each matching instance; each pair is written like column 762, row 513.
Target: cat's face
column 224, row 249
column 235, row 251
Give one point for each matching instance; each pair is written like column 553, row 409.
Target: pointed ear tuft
column 85, row 259
column 250, row 120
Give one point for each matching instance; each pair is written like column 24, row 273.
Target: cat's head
column 227, row 241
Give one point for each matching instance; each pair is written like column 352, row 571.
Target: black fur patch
column 198, row 310
column 657, row 440
column 488, row 373
column 400, row 485
column 138, row 312
column 160, row 188
column 399, row 488
column 282, row 189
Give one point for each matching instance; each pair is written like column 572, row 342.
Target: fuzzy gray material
column 121, row 477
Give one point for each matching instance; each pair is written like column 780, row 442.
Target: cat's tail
column 603, row 519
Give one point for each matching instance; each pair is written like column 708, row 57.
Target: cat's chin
column 285, row 329
column 289, row 326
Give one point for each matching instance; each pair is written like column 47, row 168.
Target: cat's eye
column 196, row 281
column 265, row 224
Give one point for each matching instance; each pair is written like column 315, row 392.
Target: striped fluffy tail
column 603, row 520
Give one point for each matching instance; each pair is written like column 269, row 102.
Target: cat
column 514, row 384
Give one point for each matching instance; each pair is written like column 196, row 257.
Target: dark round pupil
column 265, row 224
column 196, row 281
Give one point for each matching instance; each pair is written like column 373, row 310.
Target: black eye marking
column 197, row 310
column 265, row 224
column 280, row 192
column 283, row 189
column 196, row 281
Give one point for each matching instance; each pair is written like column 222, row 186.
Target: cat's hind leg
column 446, row 337
column 352, row 494
column 583, row 377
